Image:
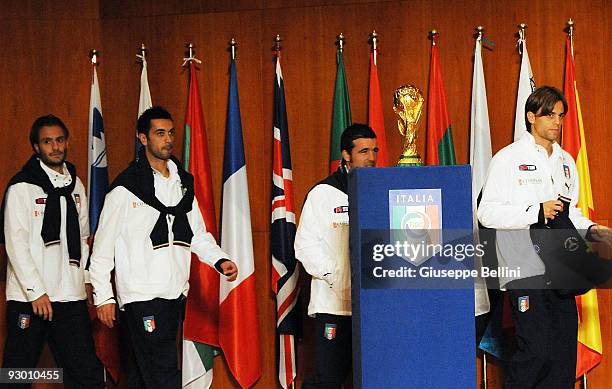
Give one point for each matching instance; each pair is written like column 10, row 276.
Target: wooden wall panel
column 45, row 69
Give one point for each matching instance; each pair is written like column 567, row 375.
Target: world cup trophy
column 408, row 104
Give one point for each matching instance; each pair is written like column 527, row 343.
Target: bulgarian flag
column 238, row 321
column 589, row 333
column 341, row 117
column 439, row 149
column 376, row 118
column 200, row 328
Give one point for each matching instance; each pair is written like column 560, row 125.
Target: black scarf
column 33, row 173
column 138, row 179
column 338, row 179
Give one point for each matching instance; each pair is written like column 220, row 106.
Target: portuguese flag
column 200, row 328
column 439, row 143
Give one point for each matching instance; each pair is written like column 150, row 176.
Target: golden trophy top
column 408, row 103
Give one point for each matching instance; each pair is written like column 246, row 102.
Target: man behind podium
column 321, row 244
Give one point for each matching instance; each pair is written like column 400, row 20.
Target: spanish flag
column 573, row 141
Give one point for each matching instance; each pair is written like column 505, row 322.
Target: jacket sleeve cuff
column 219, row 263
column 541, row 219
column 103, row 298
column 109, row 301
column 589, row 234
column 329, row 278
column 33, row 294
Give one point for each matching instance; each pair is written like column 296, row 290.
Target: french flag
column 238, row 322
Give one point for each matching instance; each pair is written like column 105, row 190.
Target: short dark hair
column 144, row 121
column 46, row 121
column 355, row 131
column 543, row 100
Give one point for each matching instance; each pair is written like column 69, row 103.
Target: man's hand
column 602, row 234
column 230, row 270
column 89, row 291
column 42, row 307
column 552, row 208
column 106, row 314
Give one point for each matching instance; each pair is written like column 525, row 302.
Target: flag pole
column 190, row 57
column 374, row 42
column 570, row 32
column 433, row 35
column 233, row 44
column 479, row 32
column 521, row 34
column 340, row 42
column 93, row 55
column 277, row 45
column 143, row 53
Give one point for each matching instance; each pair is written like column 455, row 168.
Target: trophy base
column 410, row 160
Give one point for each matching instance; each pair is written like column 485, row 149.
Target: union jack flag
column 285, row 272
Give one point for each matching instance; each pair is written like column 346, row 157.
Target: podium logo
column 415, row 218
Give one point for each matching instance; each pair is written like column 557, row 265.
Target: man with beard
column 150, row 224
column 321, row 245
column 45, row 233
column 525, row 185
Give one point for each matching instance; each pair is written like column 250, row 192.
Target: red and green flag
column 201, row 325
column 341, row 117
column 439, row 142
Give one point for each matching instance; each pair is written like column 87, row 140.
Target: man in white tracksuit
column 45, row 231
column 524, row 184
column 150, row 224
column 321, row 245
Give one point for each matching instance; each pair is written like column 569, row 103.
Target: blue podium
column 413, row 324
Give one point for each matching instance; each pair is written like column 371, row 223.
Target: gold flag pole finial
column 233, row 44
column 570, row 32
column 340, row 42
column 277, row 45
column 190, row 50
column 480, row 31
column 190, row 57
column 433, row 35
column 93, row 55
column 522, row 28
column 277, row 42
column 570, row 27
column 374, row 42
column 143, row 53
